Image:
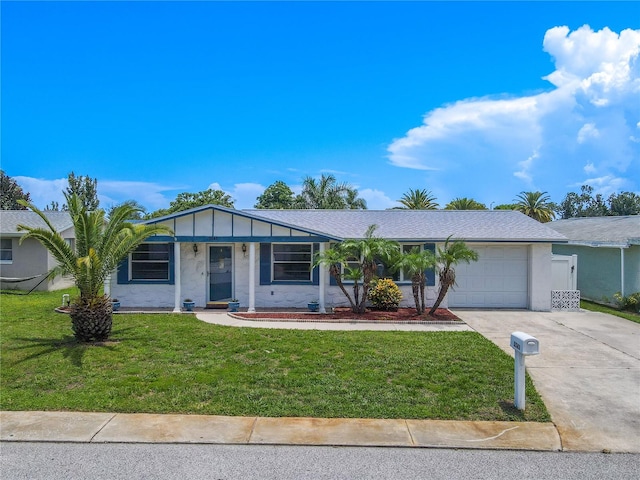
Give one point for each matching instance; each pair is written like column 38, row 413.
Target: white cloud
column 600, row 64
column 589, row 130
column 243, row 194
column 606, row 185
column 526, row 166
column 589, row 169
column 41, row 191
column 376, row 199
column 110, row 192
column 589, row 117
column 151, row 195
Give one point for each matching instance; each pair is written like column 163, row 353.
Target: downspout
column 322, row 280
column 622, row 271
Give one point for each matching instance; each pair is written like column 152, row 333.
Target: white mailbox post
column 523, row 344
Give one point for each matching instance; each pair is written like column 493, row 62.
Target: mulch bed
column 344, row 313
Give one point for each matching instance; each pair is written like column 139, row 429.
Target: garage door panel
column 499, row 279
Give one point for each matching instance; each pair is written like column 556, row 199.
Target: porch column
column 107, row 285
column 323, row 281
column 252, row 277
column 177, row 292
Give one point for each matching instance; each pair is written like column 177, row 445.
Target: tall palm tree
column 465, row 203
column 450, row 255
column 535, row 205
column 353, row 202
column 100, row 246
column 414, row 264
column 418, row 200
column 357, row 260
column 327, row 193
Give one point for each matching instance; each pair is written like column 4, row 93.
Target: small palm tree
column 535, row 205
column 99, row 247
column 465, row 203
column 415, row 263
column 448, row 256
column 357, row 260
column 418, row 200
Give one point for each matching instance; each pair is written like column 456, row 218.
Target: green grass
column 170, row 363
column 597, row 307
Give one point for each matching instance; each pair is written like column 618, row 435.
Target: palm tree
column 357, row 260
column 465, row 203
column 99, row 247
column 353, row 202
column 535, row 205
column 418, row 200
column 414, row 264
column 327, row 193
column 448, row 256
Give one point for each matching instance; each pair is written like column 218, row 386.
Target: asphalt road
column 70, row 461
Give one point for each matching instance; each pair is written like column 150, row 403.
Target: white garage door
column 497, row 280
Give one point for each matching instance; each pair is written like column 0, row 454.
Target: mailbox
column 524, row 343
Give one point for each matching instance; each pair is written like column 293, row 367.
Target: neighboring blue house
column 608, row 250
column 264, row 257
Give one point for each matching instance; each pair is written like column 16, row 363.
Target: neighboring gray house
column 29, row 259
column 264, row 257
column 608, row 250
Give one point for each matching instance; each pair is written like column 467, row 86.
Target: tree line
column 328, row 193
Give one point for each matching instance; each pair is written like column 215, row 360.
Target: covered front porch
column 213, row 273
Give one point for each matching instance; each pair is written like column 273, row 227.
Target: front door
column 220, row 273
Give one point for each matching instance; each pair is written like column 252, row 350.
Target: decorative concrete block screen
column 565, row 300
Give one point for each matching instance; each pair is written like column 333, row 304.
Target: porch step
column 221, row 305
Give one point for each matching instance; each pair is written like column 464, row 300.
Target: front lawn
column 172, row 363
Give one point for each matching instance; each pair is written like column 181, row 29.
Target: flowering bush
column 630, row 302
column 384, row 294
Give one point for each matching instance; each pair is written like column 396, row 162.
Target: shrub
column 384, row 294
column 630, row 302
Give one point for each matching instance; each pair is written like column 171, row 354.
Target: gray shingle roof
column 622, row 231
column 10, row 219
column 435, row 225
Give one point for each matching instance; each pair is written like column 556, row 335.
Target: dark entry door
column 220, row 273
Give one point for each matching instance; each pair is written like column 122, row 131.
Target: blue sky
column 475, row 99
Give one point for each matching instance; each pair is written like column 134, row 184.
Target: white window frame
column 10, row 249
column 167, row 261
column 309, row 279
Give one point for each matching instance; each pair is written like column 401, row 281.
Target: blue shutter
column 172, row 264
column 123, row 271
column 430, row 273
column 265, row 264
column 315, row 274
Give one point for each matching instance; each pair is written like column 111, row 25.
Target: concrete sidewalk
column 151, row 428
column 588, row 372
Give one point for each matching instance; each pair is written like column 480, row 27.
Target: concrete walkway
column 221, row 318
column 588, row 372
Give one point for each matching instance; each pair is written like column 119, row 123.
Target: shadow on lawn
column 71, row 348
column 512, row 412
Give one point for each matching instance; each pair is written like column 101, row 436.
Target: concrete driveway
column 588, row 372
